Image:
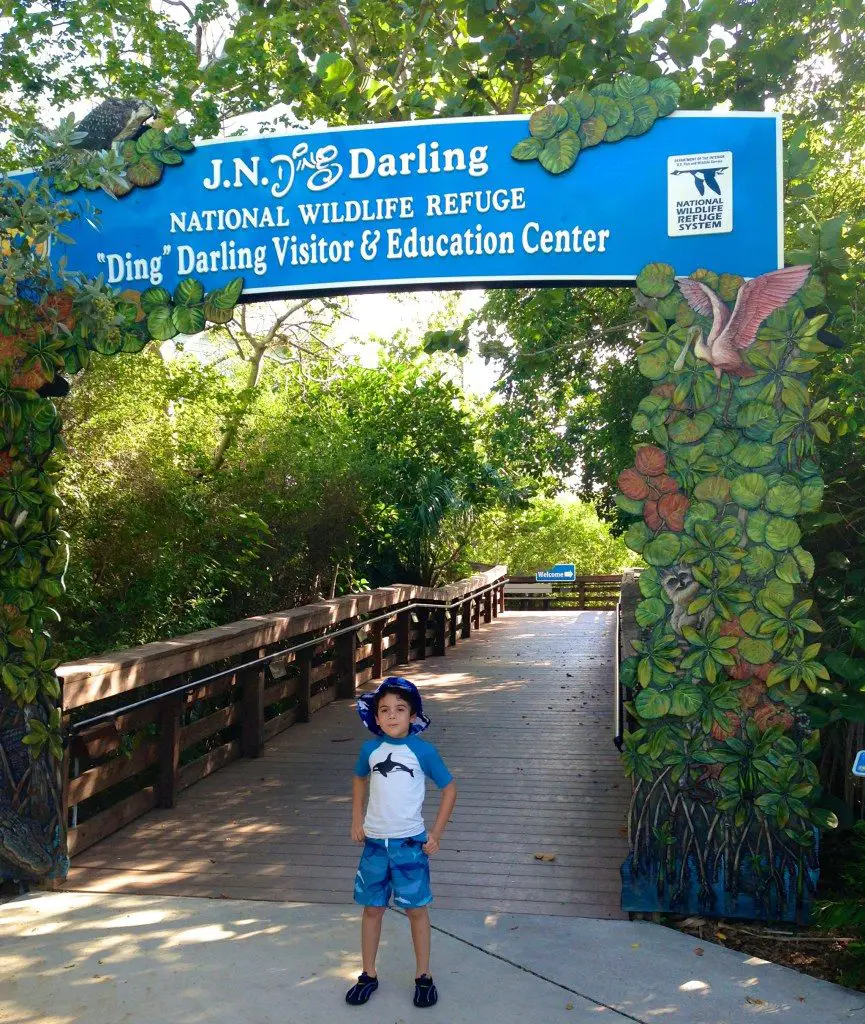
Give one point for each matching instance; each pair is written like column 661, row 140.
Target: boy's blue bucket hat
column 366, row 704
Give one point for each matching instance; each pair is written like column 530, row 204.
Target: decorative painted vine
column 723, row 815
column 50, row 323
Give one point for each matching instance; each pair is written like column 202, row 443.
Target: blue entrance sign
column 442, row 203
column 859, row 763
column 563, row 572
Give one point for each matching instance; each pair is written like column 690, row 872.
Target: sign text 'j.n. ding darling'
column 444, row 203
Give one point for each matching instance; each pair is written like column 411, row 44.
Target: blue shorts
column 397, row 866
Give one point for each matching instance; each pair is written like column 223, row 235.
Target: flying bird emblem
column 732, row 333
column 705, row 176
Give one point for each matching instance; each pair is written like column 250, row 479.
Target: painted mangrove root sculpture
column 723, row 817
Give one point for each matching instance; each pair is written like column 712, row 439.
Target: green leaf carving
column 607, row 108
column 753, row 454
column 592, row 131
column 527, row 149
column 150, row 141
column 624, row 124
column 656, row 280
column 560, row 153
column 645, row 113
column 650, row 611
column 144, row 173
column 663, row 550
column 160, row 324
column 784, row 498
column 189, row 292
column 188, row 319
column 757, row 652
column 582, row 101
column 544, row 123
column 153, row 298
column 782, row 534
column 748, row 490
column 652, row 704
column 226, row 297
column 637, row 535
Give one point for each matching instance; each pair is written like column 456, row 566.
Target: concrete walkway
column 100, row 959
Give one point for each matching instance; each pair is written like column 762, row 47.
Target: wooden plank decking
column 522, row 716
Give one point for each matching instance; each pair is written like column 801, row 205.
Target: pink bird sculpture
column 732, row 333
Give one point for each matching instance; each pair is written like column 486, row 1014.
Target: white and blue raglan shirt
column 398, row 769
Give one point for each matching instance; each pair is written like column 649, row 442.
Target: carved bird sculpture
column 732, row 333
column 114, row 121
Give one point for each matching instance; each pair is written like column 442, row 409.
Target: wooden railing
column 146, row 723
column 598, row 593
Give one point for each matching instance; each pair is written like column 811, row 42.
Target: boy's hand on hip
column 357, row 833
column 431, row 846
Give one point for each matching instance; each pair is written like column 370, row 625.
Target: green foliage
column 355, row 476
column 843, row 908
column 547, row 531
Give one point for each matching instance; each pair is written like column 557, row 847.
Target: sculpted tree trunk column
column 723, row 815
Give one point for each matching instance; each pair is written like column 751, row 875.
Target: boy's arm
column 449, row 798
column 358, row 799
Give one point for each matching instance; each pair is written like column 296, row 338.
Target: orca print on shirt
column 397, row 769
column 389, row 765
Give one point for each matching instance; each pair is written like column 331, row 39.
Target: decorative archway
column 721, row 755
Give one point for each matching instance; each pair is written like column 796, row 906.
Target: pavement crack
column 536, row 974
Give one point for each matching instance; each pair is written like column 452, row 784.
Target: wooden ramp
column 522, row 714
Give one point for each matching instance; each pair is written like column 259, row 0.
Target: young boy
column 395, row 858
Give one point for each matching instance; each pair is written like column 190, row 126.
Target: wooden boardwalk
column 522, row 714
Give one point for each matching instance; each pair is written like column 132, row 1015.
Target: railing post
column 494, row 594
column 377, row 629
column 441, row 633
column 303, row 663
column 451, row 613
column 345, row 652
column 466, row 629
column 403, row 637
column 422, row 619
column 252, row 711
column 476, row 616
column 488, row 606
column 169, row 752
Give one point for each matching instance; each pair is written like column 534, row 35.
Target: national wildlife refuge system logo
column 699, row 194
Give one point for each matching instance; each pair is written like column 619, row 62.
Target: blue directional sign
column 859, row 763
column 563, row 572
column 443, row 203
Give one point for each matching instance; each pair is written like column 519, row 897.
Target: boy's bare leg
column 370, row 934
column 420, row 937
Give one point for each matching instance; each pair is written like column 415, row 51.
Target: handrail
column 108, row 675
column 617, row 682
column 107, row 716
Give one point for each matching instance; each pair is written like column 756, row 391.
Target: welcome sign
column 445, row 204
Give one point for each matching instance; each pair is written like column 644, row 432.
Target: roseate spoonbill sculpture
column 732, row 333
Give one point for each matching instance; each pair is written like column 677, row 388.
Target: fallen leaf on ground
column 698, row 951
column 569, row 1006
column 755, row 1001
column 635, row 945
column 545, row 856
column 720, row 935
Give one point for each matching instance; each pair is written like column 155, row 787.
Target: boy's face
column 394, row 716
